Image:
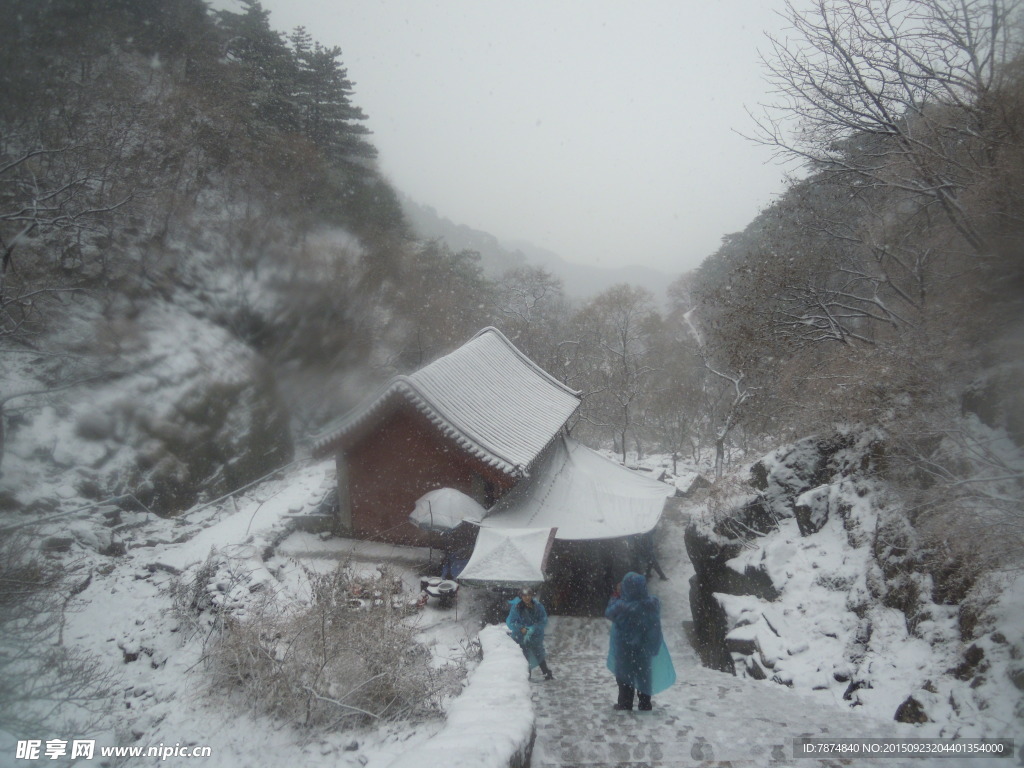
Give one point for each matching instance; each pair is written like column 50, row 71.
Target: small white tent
column 444, row 509
column 508, row 558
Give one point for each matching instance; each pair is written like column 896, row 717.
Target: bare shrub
column 739, row 512
column 45, row 686
column 348, row 658
column 206, row 596
column 964, row 490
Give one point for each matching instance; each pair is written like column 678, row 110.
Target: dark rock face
column 219, row 435
column 911, row 711
column 709, row 553
column 813, row 513
column 709, row 627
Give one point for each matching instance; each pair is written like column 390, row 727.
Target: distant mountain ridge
column 581, row 281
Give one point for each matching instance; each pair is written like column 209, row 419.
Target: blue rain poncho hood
column 637, row 654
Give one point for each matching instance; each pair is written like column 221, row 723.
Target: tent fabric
column 510, row 558
column 444, row 509
column 488, row 396
column 582, row 494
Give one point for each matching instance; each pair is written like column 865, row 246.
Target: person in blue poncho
column 526, row 621
column 637, row 654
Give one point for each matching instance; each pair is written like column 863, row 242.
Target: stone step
column 680, row 763
column 647, row 748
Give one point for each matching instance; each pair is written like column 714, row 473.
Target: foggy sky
column 603, row 130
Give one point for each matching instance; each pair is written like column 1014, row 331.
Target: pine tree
column 328, row 117
column 269, row 72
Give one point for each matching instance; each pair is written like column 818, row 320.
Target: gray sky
column 600, row 129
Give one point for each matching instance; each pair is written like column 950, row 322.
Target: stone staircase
column 706, row 719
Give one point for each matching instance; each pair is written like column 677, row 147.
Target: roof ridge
column 523, row 356
column 430, row 390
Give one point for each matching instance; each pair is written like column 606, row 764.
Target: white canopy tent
column 509, row 557
column 582, row 494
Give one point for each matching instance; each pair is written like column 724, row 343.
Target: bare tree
column 44, row 683
column 734, row 396
column 530, row 307
column 616, row 333
column 895, row 93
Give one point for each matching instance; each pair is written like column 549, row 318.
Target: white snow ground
column 124, row 617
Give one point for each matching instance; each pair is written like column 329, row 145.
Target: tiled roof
column 487, row 395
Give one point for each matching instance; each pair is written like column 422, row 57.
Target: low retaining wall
column 491, row 724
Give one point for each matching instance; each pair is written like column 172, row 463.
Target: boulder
column 811, row 510
column 911, row 711
column 754, row 670
column 973, row 656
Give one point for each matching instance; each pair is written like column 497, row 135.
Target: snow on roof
column 487, row 395
column 582, row 494
column 444, row 509
column 511, row 557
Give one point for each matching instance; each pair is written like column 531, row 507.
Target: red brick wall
column 400, row 457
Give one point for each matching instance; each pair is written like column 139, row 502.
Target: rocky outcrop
column 192, row 413
column 710, row 552
column 818, row 579
column 217, row 435
column 729, row 594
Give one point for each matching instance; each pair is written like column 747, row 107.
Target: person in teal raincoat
column 526, row 622
column 637, row 654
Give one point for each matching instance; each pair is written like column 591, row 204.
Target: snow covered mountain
column 581, row 281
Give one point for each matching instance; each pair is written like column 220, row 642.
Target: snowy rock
column 91, row 536
column 73, row 452
column 67, row 491
column 742, row 640
column 199, row 412
column 852, row 608
column 911, row 711
column 811, row 510
column 753, row 669
column 689, row 484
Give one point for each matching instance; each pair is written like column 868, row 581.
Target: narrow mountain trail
column 707, row 718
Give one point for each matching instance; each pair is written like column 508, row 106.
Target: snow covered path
column 707, row 718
